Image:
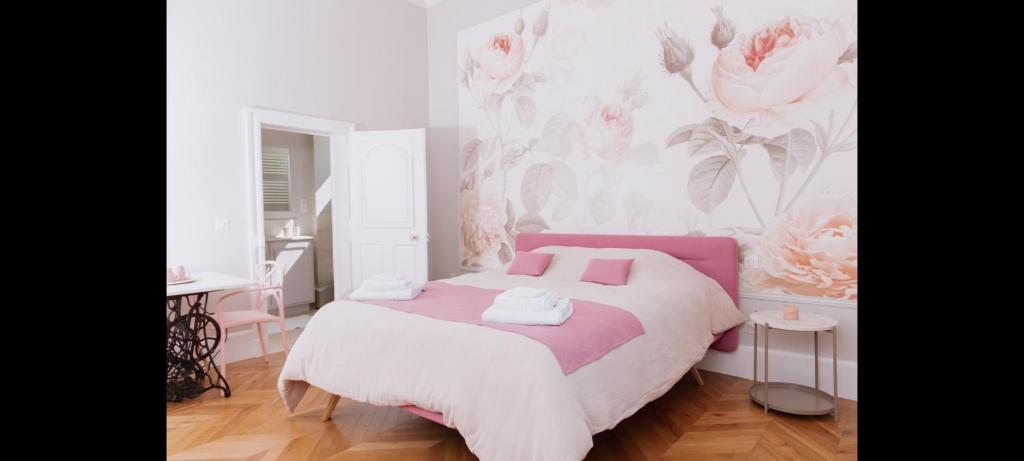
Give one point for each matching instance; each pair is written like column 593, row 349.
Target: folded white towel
column 556, row 316
column 386, row 286
column 546, row 302
column 527, row 292
column 404, row 294
column 386, row 278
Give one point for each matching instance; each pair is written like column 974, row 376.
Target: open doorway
column 300, row 206
column 297, row 217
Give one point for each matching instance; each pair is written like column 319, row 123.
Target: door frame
column 258, row 118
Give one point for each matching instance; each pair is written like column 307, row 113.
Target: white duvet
column 504, row 392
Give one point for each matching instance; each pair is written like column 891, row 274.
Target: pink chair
column 271, row 280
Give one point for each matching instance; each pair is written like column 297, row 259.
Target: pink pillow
column 527, row 263
column 607, row 271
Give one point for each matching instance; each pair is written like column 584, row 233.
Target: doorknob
column 414, row 237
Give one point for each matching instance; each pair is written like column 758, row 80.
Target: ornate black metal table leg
column 192, row 340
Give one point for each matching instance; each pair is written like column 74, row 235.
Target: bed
column 506, row 392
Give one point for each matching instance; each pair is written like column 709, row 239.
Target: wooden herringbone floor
column 714, row 421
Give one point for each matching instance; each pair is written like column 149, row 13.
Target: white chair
column 271, row 286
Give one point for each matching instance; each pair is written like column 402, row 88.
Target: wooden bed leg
column 696, row 375
column 331, row 403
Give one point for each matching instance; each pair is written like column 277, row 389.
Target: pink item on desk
column 790, row 312
column 176, row 273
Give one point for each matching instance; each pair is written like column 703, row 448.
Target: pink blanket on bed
column 592, row 331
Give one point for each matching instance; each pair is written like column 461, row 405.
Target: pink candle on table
column 790, row 312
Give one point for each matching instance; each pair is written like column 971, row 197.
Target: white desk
column 207, row 282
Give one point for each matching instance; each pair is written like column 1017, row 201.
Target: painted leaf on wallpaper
column 531, row 222
column 602, row 205
column 710, row 182
column 680, row 135
column 513, row 155
column 525, row 84
column 645, row 153
column 551, row 135
column 554, row 127
column 526, row 110
column 505, row 254
column 788, row 152
column 713, row 136
column 489, row 170
column 536, row 187
column 564, row 180
column 470, row 154
column 704, row 142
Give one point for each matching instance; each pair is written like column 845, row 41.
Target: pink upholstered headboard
column 716, row 257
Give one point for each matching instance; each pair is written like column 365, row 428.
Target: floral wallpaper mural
column 734, row 118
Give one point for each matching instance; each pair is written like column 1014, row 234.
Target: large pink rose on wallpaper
column 500, row 61
column 483, row 225
column 780, row 73
column 812, row 250
column 609, row 129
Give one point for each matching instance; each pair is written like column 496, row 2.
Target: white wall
column 791, row 354
column 357, row 60
column 362, row 61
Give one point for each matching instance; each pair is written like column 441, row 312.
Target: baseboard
column 785, row 366
column 243, row 344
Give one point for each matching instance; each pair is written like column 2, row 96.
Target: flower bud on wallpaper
column 676, row 53
column 540, row 27
column 723, row 31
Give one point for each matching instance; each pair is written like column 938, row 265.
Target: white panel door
column 388, row 199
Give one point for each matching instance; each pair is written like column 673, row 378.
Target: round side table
column 789, row 397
